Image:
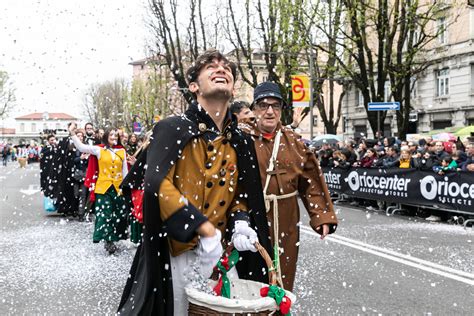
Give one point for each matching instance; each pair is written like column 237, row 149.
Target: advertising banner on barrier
column 454, row 190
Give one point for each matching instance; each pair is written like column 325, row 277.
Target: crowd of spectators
column 11, row 152
column 424, row 154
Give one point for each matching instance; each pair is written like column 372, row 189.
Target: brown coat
column 301, row 174
column 205, row 176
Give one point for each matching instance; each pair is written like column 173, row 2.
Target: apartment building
column 443, row 95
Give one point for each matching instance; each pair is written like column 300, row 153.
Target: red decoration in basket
column 223, row 266
column 285, row 305
column 277, row 293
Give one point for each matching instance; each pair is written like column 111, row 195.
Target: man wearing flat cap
column 288, row 169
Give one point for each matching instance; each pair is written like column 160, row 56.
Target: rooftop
column 51, row 116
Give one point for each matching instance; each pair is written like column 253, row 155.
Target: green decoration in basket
column 224, row 265
column 279, row 295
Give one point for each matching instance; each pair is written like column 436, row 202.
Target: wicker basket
column 245, row 295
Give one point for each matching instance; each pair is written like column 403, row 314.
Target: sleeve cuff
column 316, row 222
column 182, row 225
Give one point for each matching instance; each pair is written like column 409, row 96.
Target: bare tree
column 415, row 37
column 329, row 19
column 274, row 31
column 379, row 44
column 7, row 94
column 179, row 44
column 104, row 104
column 152, row 96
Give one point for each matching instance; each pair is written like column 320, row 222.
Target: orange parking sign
column 301, row 90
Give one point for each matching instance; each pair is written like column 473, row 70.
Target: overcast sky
column 54, row 49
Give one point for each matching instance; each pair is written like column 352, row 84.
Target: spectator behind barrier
column 391, row 157
column 339, row 160
column 352, row 157
column 361, row 150
column 468, row 165
column 462, row 157
column 425, row 162
column 405, row 160
column 439, row 153
column 369, row 160
column 412, row 147
column 325, row 154
column 447, row 164
column 388, row 142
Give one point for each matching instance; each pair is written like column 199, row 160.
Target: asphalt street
column 374, row 264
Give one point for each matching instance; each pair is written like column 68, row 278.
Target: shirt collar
column 196, row 111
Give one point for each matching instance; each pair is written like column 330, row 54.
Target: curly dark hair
column 206, row 58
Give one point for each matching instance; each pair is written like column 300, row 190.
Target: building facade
column 34, row 127
column 443, row 95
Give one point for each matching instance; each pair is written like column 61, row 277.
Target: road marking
column 447, row 272
column 32, row 189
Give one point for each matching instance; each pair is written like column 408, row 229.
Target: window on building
column 470, row 121
column 22, row 127
column 359, row 98
column 442, row 30
column 360, row 130
column 472, row 78
column 442, row 124
column 442, row 81
column 387, row 91
column 315, row 120
column 33, row 127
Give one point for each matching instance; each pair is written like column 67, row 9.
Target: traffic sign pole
column 378, row 124
column 382, row 106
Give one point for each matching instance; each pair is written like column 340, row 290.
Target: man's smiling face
column 215, row 80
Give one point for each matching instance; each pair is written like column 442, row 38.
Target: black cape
column 61, row 178
column 149, row 289
column 46, row 165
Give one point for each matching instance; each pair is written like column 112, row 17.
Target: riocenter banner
column 453, row 190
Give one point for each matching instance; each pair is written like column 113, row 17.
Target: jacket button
column 208, row 165
column 206, row 206
column 209, row 184
column 224, row 162
column 222, row 203
column 222, row 182
column 210, row 147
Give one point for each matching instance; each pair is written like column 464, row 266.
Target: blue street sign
column 384, row 106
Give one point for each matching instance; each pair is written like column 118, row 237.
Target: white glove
column 209, row 249
column 244, row 237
